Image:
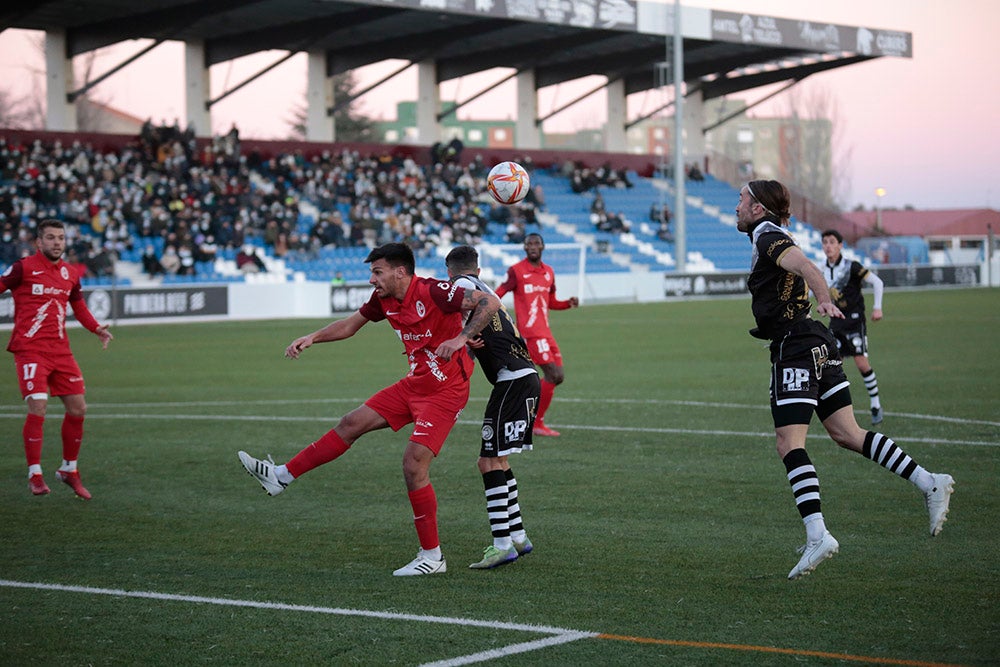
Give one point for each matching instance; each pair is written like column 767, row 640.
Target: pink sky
column 924, row 129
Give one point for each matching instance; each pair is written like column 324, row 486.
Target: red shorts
column 41, row 375
column 432, row 415
column 544, row 351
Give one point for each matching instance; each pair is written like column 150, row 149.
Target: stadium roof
column 724, row 52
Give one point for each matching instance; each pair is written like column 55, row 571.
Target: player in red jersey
column 533, row 284
column 427, row 314
column 42, row 286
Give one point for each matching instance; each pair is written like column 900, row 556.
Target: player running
column 844, row 278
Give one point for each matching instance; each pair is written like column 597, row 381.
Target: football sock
column 548, row 389
column 32, row 433
column 433, row 554
column 805, row 487
column 513, row 507
column 281, row 472
column 324, row 450
column 35, row 469
column 68, row 466
column 883, row 451
column 495, row 484
column 815, row 527
column 871, row 384
column 424, row 503
column 72, row 436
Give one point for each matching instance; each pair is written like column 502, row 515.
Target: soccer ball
column 508, row 183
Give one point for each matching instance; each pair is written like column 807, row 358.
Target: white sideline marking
column 559, row 635
column 642, row 401
column 467, row 422
column 623, row 401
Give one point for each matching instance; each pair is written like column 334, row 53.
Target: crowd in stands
column 178, row 206
column 583, row 179
column 607, row 221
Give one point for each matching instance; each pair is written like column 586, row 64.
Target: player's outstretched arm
column 336, row 330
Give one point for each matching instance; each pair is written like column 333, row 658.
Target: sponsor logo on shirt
column 416, row 336
column 38, row 288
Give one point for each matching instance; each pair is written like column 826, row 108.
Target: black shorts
column 510, row 416
column 807, row 375
column 851, row 335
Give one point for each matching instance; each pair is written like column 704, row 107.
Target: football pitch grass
column 663, row 525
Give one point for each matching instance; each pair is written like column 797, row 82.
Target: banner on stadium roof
column 604, row 14
column 817, row 37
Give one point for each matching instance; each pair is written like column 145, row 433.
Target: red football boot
column 541, row 429
column 72, row 480
column 37, row 485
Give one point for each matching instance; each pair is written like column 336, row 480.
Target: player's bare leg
column 552, row 376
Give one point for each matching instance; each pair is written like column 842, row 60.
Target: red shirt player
column 427, row 315
column 42, row 286
column 533, row 284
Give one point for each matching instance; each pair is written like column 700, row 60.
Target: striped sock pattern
column 496, row 503
column 513, row 508
column 804, row 481
column 883, row 451
column 871, row 383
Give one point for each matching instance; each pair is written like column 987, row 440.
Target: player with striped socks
column 507, row 422
column 807, row 374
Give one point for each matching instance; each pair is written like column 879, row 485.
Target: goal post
column 568, row 260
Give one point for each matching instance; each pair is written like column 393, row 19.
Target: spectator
column 186, row 255
column 661, row 216
column 100, row 262
column 597, row 205
column 170, row 261
column 248, row 261
column 694, row 173
column 151, row 265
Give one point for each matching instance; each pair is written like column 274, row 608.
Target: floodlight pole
column 680, row 235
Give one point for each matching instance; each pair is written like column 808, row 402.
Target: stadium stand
column 193, row 210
